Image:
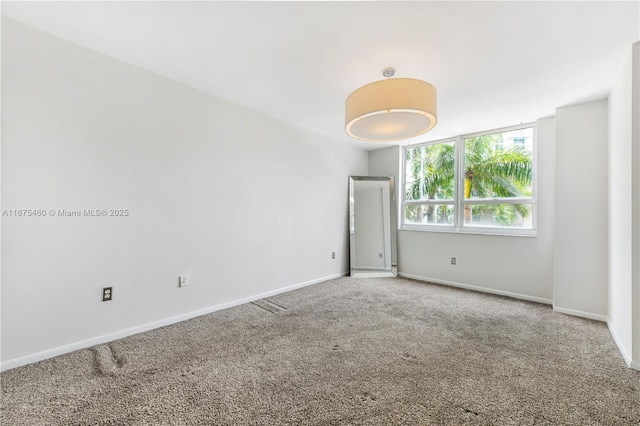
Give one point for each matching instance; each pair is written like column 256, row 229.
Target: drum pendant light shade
column 391, row 110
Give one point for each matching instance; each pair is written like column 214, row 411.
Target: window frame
column 459, row 201
column 430, row 202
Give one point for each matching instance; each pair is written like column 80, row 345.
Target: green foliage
column 432, row 172
column 442, row 214
column 431, row 177
column 493, row 172
column 490, row 171
column 504, row 214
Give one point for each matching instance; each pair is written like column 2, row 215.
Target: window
column 430, row 184
column 482, row 183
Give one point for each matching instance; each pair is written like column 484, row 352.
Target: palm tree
column 432, row 170
column 491, row 171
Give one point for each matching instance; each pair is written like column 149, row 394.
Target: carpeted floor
column 348, row 351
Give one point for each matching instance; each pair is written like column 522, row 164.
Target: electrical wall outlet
column 183, row 281
column 453, row 260
column 107, row 294
column 333, row 254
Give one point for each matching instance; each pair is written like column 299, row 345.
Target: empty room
column 320, row 213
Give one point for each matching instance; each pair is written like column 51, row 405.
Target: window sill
column 527, row 233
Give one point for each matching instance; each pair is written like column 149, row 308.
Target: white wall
column 635, row 215
column 581, row 210
column 620, row 209
column 241, row 202
column 516, row 266
column 624, row 208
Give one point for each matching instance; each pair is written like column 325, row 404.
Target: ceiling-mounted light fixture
column 391, row 109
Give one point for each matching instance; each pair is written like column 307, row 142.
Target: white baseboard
column 480, row 289
column 583, row 314
column 625, row 355
column 635, row 365
column 105, row 338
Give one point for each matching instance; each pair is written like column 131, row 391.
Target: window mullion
column 519, row 200
column 429, row 202
column 460, row 183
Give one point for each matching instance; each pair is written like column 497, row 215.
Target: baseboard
column 60, row 350
column 625, row 355
column 480, row 289
column 582, row 314
column 634, row 365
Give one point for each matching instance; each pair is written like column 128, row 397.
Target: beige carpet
column 349, row 351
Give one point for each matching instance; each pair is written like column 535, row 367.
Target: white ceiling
column 493, row 63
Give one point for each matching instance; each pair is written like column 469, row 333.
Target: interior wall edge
column 635, row 205
column 625, row 355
